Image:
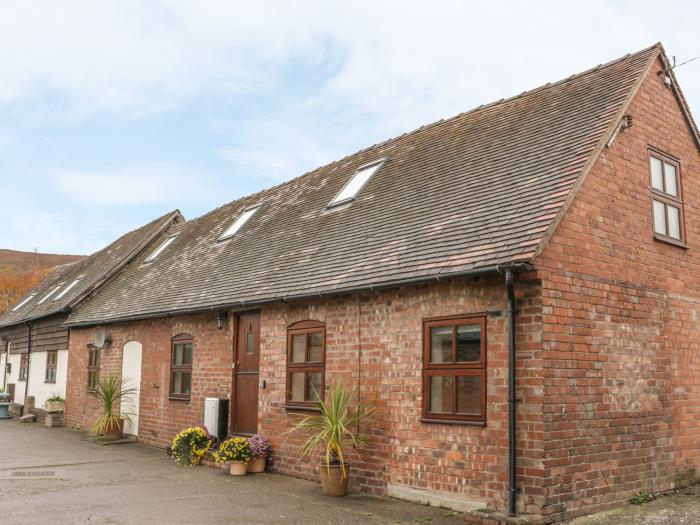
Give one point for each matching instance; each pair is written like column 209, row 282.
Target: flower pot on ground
column 259, row 449
column 236, row 450
column 237, row 468
column 190, row 445
column 111, row 391
column 333, row 431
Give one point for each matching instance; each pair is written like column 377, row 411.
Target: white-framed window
column 358, row 181
column 667, row 205
column 160, row 248
column 68, row 288
column 239, row 222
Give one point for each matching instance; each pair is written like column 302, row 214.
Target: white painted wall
column 40, row 389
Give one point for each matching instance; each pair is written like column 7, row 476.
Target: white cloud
column 132, row 185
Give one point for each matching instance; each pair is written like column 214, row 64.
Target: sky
column 113, row 113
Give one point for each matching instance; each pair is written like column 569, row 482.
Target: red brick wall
column 374, row 338
column 160, row 417
column 620, row 331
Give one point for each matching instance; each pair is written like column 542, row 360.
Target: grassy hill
column 20, row 271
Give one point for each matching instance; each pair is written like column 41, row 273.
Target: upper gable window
column 20, row 305
column 666, row 197
column 68, row 288
column 160, row 248
column 356, row 183
column 239, row 222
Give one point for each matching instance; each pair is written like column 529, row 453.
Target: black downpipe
column 29, row 362
column 512, row 482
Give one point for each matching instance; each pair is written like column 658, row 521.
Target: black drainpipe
column 512, row 482
column 29, row 358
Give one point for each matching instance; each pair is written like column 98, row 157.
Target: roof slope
column 471, row 192
column 93, row 269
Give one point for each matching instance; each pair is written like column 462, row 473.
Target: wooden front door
column 246, row 375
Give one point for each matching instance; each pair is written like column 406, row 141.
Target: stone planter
column 332, row 480
column 237, row 468
column 55, row 406
column 257, row 464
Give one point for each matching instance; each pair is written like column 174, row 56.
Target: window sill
column 453, row 422
column 176, row 398
column 670, row 240
column 303, row 408
column 50, row 382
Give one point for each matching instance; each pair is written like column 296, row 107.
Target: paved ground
column 54, row 476
column 682, row 508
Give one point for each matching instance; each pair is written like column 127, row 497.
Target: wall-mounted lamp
column 221, row 318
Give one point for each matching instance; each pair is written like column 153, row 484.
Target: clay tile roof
column 462, row 194
column 93, row 269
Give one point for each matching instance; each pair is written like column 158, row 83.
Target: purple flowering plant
column 259, row 445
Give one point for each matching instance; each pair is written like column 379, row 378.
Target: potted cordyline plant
column 333, row 431
column 111, row 391
column 236, row 451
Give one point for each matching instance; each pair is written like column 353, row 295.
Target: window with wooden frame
column 667, row 205
column 93, row 377
column 51, row 362
column 181, row 367
column 306, row 360
column 23, row 367
column 454, row 370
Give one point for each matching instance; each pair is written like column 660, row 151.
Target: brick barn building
column 570, row 212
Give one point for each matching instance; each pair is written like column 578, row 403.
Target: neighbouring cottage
column 33, row 341
column 515, row 289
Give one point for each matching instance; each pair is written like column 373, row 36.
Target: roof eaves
column 605, row 138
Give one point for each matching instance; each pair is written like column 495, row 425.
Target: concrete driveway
column 54, row 476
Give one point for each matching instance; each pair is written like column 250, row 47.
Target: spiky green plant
column 335, row 428
column 111, row 390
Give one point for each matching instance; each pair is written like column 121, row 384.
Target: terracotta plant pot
column 115, row 431
column 332, row 480
column 256, row 465
column 237, row 468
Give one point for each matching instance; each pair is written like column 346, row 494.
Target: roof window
column 160, row 248
column 50, row 293
column 361, row 177
column 20, row 305
column 68, row 288
column 239, row 222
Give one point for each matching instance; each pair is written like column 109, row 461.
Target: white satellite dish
column 100, row 338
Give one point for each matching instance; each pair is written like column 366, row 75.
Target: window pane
column 441, row 344
column 187, row 357
column 313, row 391
column 177, row 356
column 186, row 380
column 249, row 338
column 469, row 395
column 670, row 175
column 298, row 349
column 674, row 222
column 298, row 386
column 656, row 174
column 316, row 347
column 469, row 343
column 659, row 217
column 176, row 382
column 441, row 392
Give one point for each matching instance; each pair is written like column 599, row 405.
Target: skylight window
column 239, row 222
column 68, row 288
column 356, row 183
column 20, row 305
column 160, row 248
column 50, row 294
